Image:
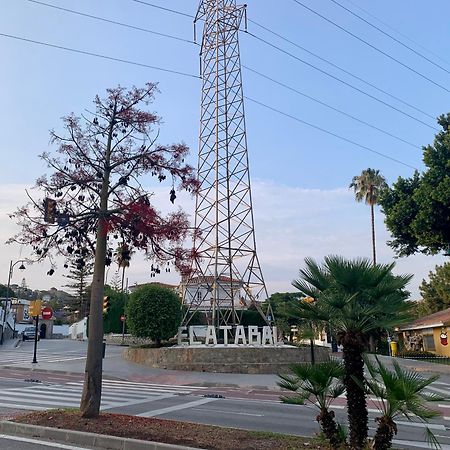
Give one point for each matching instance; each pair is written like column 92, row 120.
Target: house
column 429, row 333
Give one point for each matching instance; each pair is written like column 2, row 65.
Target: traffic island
column 225, row 359
column 124, row 432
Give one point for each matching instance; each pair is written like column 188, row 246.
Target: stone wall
column 225, row 359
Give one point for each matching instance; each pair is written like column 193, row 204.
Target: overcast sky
column 300, row 174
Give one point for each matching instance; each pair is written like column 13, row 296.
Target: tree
column 123, row 257
column 94, row 196
column 117, row 301
column 80, row 271
column 436, row 292
column 4, row 291
column 353, row 297
column 401, row 393
column 368, row 187
column 417, row 209
column 154, row 312
column 319, row 384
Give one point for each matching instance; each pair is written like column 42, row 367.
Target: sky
column 300, row 173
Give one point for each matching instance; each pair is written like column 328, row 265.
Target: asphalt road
column 21, row 443
column 251, row 401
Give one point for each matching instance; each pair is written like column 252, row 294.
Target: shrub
column 154, row 312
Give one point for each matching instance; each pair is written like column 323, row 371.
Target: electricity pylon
column 228, row 276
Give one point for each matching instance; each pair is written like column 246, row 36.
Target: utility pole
column 227, row 275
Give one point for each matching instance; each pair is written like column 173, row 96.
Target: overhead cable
column 342, row 81
column 332, row 107
column 98, row 55
column 164, row 9
column 114, row 22
column 342, row 138
column 411, row 69
column 284, row 38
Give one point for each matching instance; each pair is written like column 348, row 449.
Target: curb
column 100, row 441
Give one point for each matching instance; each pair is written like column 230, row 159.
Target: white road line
column 228, row 412
column 136, row 389
column 409, row 444
column 158, row 412
column 133, row 383
column 63, row 359
column 138, row 402
column 441, row 391
column 20, row 406
column 431, row 426
column 40, row 442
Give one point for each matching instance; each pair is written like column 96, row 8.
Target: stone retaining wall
column 225, row 359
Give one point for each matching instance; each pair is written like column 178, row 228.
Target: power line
column 164, row 9
column 284, row 38
column 342, row 81
column 98, row 55
column 297, row 119
column 46, row 44
column 248, row 68
column 332, row 107
column 326, row 73
column 398, row 32
column 114, row 22
column 372, row 46
column 390, row 36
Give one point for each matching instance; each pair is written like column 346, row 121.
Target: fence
column 435, row 359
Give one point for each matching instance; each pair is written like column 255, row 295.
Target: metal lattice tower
column 228, row 276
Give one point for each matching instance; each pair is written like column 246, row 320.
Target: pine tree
column 80, row 274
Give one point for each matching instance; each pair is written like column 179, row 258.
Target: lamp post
column 5, row 309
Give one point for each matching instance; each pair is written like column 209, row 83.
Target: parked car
column 28, row 334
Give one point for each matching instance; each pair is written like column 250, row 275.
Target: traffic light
column 106, row 304
column 49, row 210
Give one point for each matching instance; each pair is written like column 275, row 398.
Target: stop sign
column 47, row 313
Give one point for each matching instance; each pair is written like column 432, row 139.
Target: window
column 428, row 342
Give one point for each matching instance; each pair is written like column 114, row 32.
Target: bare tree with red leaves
column 94, row 199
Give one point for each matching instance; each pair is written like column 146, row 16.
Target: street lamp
column 5, row 309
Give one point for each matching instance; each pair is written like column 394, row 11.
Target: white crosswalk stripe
column 114, row 394
column 10, row 358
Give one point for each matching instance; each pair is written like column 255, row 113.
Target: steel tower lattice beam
column 228, row 276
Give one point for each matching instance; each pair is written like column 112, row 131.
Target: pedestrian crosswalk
column 18, row 357
column 115, row 393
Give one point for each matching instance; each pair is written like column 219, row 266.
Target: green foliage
column 252, row 317
column 402, row 394
column 319, row 384
column 355, row 298
column 154, row 312
column 436, row 291
column 117, row 301
column 352, row 295
column 417, row 209
column 368, row 186
column 4, row 291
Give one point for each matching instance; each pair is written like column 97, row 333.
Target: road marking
column 38, row 441
column 19, row 406
column 134, row 383
column 63, row 360
column 228, row 412
column 431, row 426
column 409, row 444
column 158, row 412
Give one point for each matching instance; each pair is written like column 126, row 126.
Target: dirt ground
column 169, row 431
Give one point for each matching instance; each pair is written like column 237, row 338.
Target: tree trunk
column 92, row 388
column 329, row 427
column 356, row 397
column 385, row 433
column 372, row 213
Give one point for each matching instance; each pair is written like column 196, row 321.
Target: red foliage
column 110, row 151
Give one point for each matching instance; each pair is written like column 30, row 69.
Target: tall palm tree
column 123, row 256
column 319, row 384
column 400, row 393
column 354, row 297
column 367, row 187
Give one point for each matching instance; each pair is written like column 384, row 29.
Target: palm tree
column 367, row 187
column 319, row 384
column 123, row 256
column 354, row 297
column 400, row 393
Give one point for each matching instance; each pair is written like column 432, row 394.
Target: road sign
column 122, row 318
column 47, row 313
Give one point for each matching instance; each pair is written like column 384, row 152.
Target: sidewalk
column 10, row 344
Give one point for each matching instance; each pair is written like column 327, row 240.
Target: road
column 21, row 443
column 250, row 401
